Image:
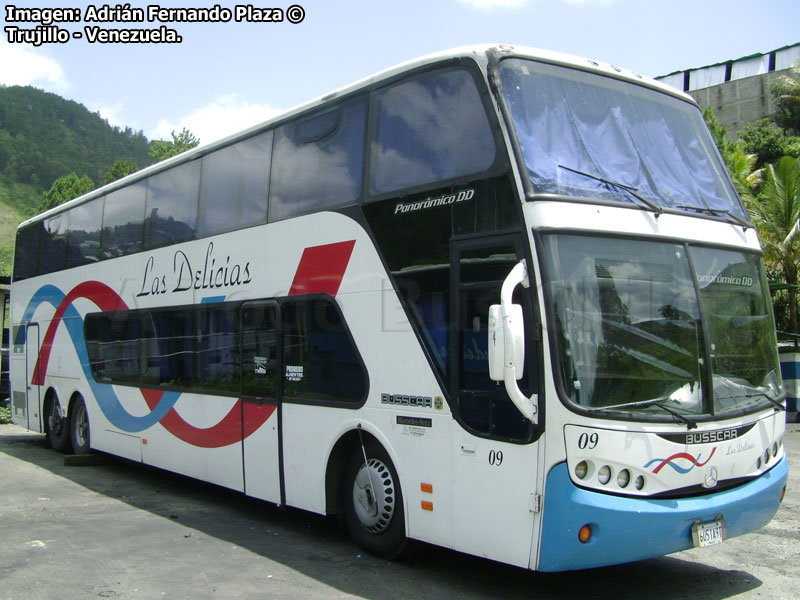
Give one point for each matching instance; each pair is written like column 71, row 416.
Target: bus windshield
column 649, row 327
column 589, row 136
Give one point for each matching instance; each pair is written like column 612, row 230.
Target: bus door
column 260, row 351
column 33, row 392
column 495, row 460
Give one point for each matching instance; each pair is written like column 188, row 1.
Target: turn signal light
column 585, row 534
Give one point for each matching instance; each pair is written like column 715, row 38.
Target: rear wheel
column 373, row 503
column 79, row 427
column 56, row 426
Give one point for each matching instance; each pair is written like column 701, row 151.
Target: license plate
column 708, row 534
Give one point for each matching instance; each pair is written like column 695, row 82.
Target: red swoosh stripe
column 229, row 430
column 322, row 268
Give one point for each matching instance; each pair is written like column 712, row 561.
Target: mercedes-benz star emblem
column 711, row 478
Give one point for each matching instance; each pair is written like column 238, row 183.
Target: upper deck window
column 233, row 186
column 430, row 128
column 317, row 162
column 592, row 136
column 171, row 208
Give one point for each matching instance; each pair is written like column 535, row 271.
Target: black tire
column 376, row 522
column 56, row 427
column 79, row 427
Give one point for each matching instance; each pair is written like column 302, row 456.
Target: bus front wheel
column 373, row 503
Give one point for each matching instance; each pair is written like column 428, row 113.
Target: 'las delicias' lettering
column 213, row 274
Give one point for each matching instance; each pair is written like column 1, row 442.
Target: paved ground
column 125, row 531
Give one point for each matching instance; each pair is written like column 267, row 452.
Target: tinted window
column 318, row 161
column 320, row 360
column 83, row 241
column 171, row 209
column 215, row 361
column 171, row 348
column 233, row 186
column 232, row 349
column 113, row 345
column 25, row 252
column 123, row 221
column 419, row 259
column 430, row 128
column 260, row 345
column 53, row 244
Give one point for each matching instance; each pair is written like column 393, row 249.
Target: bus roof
column 479, row 53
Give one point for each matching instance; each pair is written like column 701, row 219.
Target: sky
column 223, row 77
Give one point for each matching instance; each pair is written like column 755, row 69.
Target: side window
column 260, row 344
column 233, row 186
column 429, row 128
column 171, row 208
column 419, row 259
column 317, row 161
column 320, row 359
column 170, row 350
column 231, row 348
column 215, row 359
column 26, row 252
column 53, row 244
column 113, row 346
column 482, row 266
column 83, row 240
column 123, row 221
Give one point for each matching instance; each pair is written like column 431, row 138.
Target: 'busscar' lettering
column 710, row 437
column 405, row 400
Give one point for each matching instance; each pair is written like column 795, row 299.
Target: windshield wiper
column 778, row 406
column 658, row 402
column 713, row 211
column 630, row 189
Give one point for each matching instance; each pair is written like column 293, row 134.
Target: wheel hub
column 374, row 506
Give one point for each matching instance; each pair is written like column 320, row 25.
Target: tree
column 162, row 149
column 720, row 134
column 120, row 169
column 741, row 165
column 65, row 188
column 768, row 142
column 775, row 213
column 786, row 94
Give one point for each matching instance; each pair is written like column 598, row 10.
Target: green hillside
column 43, row 137
column 17, row 203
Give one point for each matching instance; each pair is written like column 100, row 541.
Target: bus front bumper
column 626, row 529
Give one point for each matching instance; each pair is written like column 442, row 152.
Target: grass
column 5, row 415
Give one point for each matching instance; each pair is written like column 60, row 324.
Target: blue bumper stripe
column 626, row 529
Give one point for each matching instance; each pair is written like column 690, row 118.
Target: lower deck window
column 231, row 349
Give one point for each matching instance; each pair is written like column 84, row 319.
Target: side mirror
column 507, row 343
column 497, row 345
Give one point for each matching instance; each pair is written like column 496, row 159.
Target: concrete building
column 738, row 90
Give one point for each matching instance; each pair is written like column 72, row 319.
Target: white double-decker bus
column 496, row 299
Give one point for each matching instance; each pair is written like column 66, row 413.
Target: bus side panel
column 261, row 461
column 420, row 455
column 192, row 440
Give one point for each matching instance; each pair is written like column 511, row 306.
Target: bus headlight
column 581, row 470
column 624, row 478
column 604, row 474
